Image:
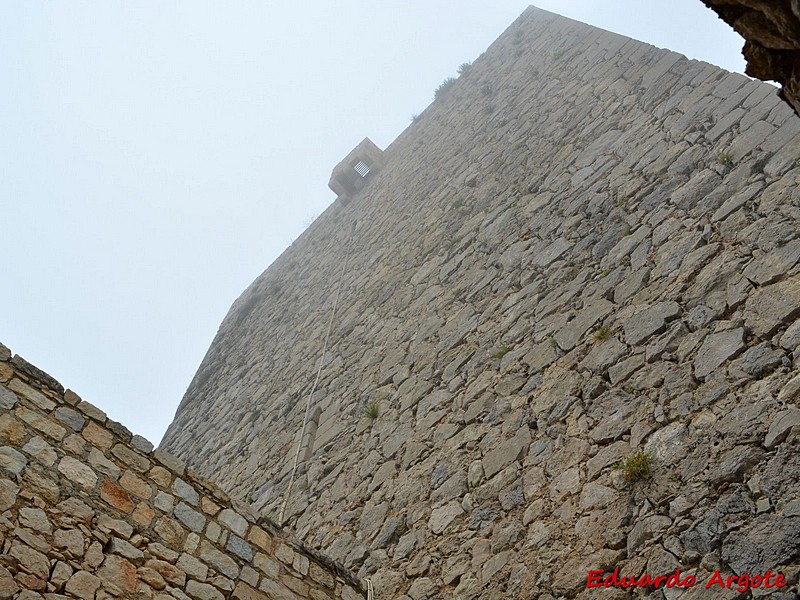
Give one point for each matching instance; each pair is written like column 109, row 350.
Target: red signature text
column 741, row 583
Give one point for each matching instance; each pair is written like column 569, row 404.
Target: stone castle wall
column 89, row 511
column 586, row 247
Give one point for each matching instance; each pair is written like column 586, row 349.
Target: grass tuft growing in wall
column 444, row 87
column 725, row 159
column 601, row 333
column 372, row 410
column 636, row 467
column 501, row 352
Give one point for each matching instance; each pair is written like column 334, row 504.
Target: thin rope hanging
column 370, row 591
column 316, row 381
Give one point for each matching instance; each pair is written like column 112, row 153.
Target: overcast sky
column 156, row 157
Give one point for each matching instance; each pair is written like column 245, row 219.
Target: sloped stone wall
column 89, row 511
column 585, row 248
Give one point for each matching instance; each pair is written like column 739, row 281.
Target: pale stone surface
column 8, row 494
column 8, row 587
column 233, row 521
column 203, row 591
column 716, row 349
column 507, row 452
column 97, row 435
column 130, row 457
column 185, row 491
column 71, row 540
column 77, row 472
column 83, row 585
column 125, row 549
column 770, row 306
column 192, row 566
column 668, row 444
column 141, row 444
column 11, row 460
column 442, row 517
column 102, row 464
column 41, row 450
column 780, row 427
column 170, row 461
column 35, row 396
column 220, row 561
column 69, row 417
column 36, row 519
column 240, row 548
column 649, row 321
column 189, row 517
column 7, row 398
column 35, row 562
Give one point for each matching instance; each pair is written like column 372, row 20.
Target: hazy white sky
column 155, row 157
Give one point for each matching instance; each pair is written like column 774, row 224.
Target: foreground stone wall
column 88, row 510
column 584, row 248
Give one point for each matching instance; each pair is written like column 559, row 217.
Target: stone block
column 142, row 444
column 143, row 514
column 233, row 521
column 164, row 501
column 125, row 549
column 130, row 457
column 188, row 565
column 267, row 565
column 219, row 560
column 243, row 591
column 135, row 485
column 8, row 587
column 151, row 577
column 443, row 516
column 39, row 422
column 77, row 472
column 203, row 591
column 185, row 491
column 780, row 427
column 92, row 411
column 70, row 417
column 8, row 399
column 173, row 534
column 98, row 436
column 83, row 585
column 11, row 460
column 70, row 540
column 102, row 464
column 35, row 562
column 769, row 540
column 260, row 538
column 168, row 572
column 116, row 496
column 41, row 451
column 649, row 321
column 716, row 349
column 12, row 431
column 507, row 452
column 35, row 396
column 194, row 520
column 240, row 548
column 8, row 494
column 36, row 519
column 772, row 306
